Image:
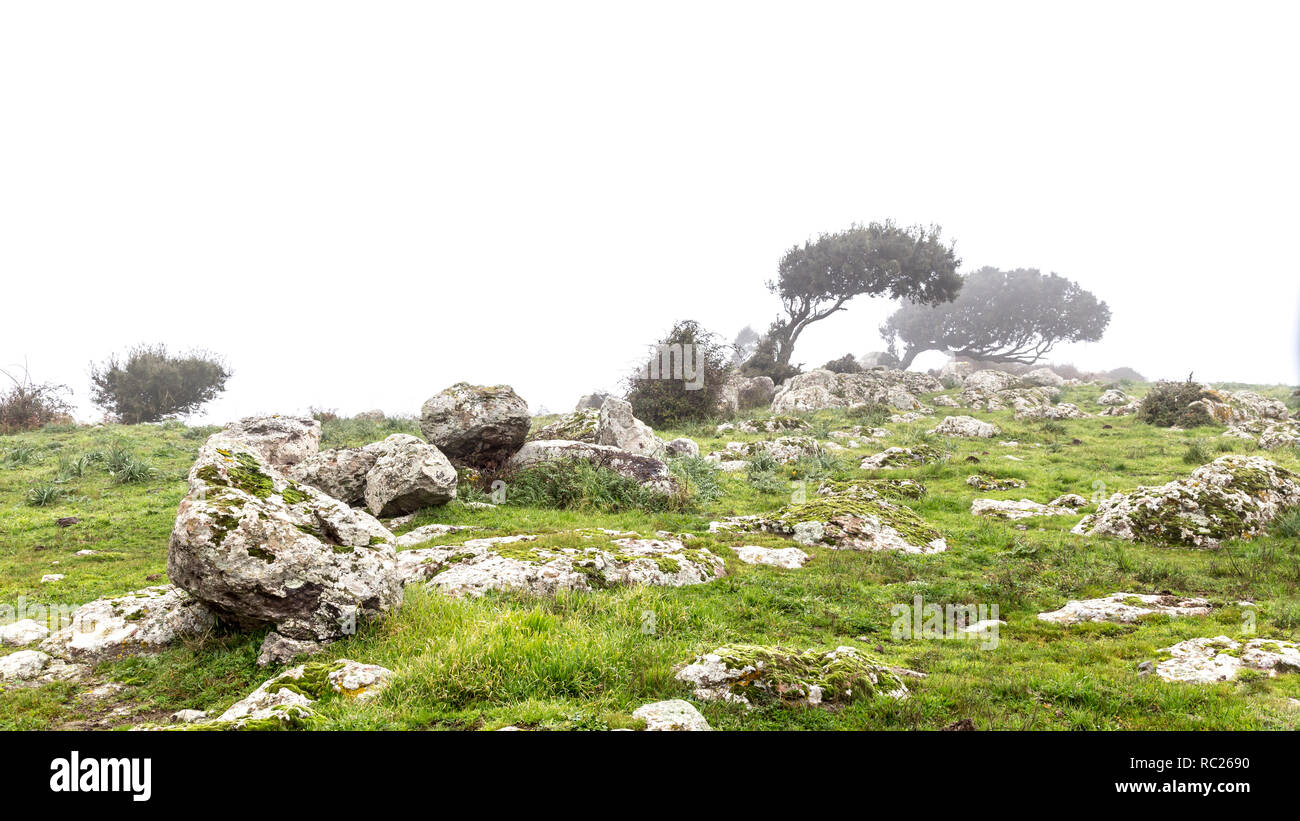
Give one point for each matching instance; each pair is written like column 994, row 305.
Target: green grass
column 587, row 660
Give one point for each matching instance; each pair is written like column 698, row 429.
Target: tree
column 746, row 341
column 682, row 379
column 815, row 280
column 152, row 384
column 1000, row 316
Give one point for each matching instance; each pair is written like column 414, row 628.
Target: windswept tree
column 152, row 384
column 1000, row 316
column 818, row 278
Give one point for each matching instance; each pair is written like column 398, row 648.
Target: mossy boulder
column 1232, row 497
column 757, row 675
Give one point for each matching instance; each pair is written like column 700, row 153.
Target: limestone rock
column 260, row 549
column 496, row 563
column 749, row 673
column 618, row 428
column 682, row 446
column 966, row 426
column 279, row 441
column 23, row 665
column 1126, row 608
column 407, row 475
column 338, row 473
column 579, row 426
column 1023, row 509
column 1064, row 410
column 791, row 558
column 476, row 425
column 899, row 457
column 820, row 389
column 852, row 521
column 1043, row 377
column 591, row 401
column 672, row 715
column 1208, row 660
column 143, row 621
column 22, row 633
column 981, row 482
column 1232, row 496
column 1113, row 397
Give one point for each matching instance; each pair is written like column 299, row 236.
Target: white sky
column 359, row 204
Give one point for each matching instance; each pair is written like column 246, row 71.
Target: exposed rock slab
column 1125, row 608
column 672, row 715
column 791, row 558
column 751, row 674
column 144, row 621
column 967, row 426
column 1209, row 660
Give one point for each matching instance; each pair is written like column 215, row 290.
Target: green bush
column 30, row 406
column 845, row 364
column 682, row 381
column 1171, row 403
column 152, row 385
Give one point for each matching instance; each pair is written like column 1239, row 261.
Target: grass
column 587, row 660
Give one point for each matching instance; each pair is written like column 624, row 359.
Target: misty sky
column 360, row 204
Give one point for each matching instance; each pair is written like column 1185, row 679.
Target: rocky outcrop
column 1238, row 407
column 476, row 425
column 1125, row 608
column 672, row 715
column 967, row 426
column 900, row 457
column 981, row 482
column 682, row 447
column 1043, row 378
column 591, row 401
column 1113, row 398
column 791, row 558
column 408, row 475
column 279, row 441
column 618, row 428
column 22, row 633
column 1232, row 497
column 543, row 565
column 751, row 674
column 861, row 519
column 820, row 389
column 645, row 470
column 337, row 473
column 784, row 449
column 34, row 667
column 1209, row 660
column 1268, row 435
column 289, row 699
column 775, row 424
column 1026, row 508
column 260, row 549
column 1064, row 410
column 144, row 621
column 953, row 374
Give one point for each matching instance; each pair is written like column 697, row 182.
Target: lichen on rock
column 753, row 674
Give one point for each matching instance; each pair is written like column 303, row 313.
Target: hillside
column 587, row 660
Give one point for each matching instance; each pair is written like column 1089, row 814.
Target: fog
column 360, row 204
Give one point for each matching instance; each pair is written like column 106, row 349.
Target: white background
column 359, row 204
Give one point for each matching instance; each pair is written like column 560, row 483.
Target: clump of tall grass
column 1199, row 451
column 573, row 484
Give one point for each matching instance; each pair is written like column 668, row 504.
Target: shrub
column 1171, row 403
column 699, row 476
column 845, row 364
column 152, row 384
column 1198, row 452
column 351, row 432
column 29, row 406
column 683, row 379
column 871, row 415
column 43, row 495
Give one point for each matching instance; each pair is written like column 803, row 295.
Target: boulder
column 375, row 415
column 953, row 374
column 408, row 475
column 1209, row 660
column 22, row 633
column 539, row 567
column 741, row 393
column 1113, row 397
column 819, row 389
column 773, row 425
column 337, row 473
column 1043, row 378
column 1023, row 509
column 672, row 715
column 861, row 518
column 279, row 441
column 791, row 558
column 990, row 381
column 967, row 426
column 1239, row 406
column 682, row 446
column 645, row 470
column 981, row 482
column 618, row 428
column 1125, row 608
column 1231, row 497
column 290, row 698
column 784, row 449
column 23, row 665
column 1034, row 410
column 144, row 621
column 476, row 425
column 900, row 457
column 261, row 549
column 749, row 674
column 591, row 401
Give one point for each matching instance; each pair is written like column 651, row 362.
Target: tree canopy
column 152, row 384
column 818, row 278
column 1000, row 316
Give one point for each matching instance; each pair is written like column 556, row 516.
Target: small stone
column 672, row 715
